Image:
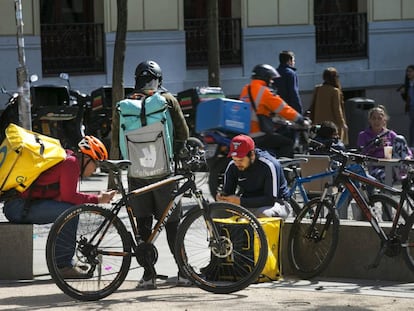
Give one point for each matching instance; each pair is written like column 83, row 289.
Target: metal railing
column 73, row 48
column 341, row 35
column 196, row 32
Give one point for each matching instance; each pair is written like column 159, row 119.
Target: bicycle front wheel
column 96, row 242
column 313, row 238
column 224, row 255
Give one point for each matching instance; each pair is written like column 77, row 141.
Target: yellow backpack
column 24, row 155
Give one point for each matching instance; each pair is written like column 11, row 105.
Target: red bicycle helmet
column 94, row 148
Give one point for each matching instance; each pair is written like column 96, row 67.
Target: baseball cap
column 240, row 146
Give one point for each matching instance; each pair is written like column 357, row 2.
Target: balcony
column 72, row 48
column 341, row 36
column 196, row 32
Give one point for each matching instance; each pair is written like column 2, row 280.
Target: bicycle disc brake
column 222, row 248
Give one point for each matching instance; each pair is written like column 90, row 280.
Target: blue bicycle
column 297, row 184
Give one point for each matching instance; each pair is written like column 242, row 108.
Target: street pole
column 23, row 85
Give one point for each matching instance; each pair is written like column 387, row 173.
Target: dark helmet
column 265, row 72
column 147, row 71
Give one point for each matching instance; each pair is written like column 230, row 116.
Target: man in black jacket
column 260, row 178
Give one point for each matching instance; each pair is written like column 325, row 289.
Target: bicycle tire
column 197, row 256
column 407, row 242
column 107, row 265
column 387, row 206
column 313, row 238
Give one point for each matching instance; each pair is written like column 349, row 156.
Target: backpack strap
column 143, row 114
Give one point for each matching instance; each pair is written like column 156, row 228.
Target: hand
column 181, row 149
column 106, row 196
column 234, row 199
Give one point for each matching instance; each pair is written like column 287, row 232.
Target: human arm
column 68, row 184
column 274, row 104
column 181, row 131
column 292, row 87
column 337, row 108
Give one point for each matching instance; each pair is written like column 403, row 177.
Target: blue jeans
column 45, row 212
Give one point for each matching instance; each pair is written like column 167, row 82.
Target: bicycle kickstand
column 378, row 257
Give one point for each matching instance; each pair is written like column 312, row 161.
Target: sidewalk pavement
column 287, row 294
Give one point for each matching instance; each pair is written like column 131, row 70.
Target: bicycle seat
column 115, row 165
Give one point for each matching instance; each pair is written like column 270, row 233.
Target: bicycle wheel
column 225, row 264
column 384, row 208
column 102, row 249
column 407, row 242
column 313, row 238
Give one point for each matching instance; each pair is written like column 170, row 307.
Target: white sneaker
column 149, row 284
column 182, row 281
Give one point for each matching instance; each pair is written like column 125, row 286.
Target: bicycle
column 313, row 237
column 297, row 183
column 104, row 246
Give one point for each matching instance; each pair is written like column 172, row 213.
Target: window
column 341, row 31
column 195, row 26
column 70, row 41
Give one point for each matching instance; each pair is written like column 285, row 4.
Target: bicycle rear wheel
column 407, row 242
column 384, row 207
column 225, row 264
column 102, row 250
column 313, row 238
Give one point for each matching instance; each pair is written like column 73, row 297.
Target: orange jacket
column 266, row 104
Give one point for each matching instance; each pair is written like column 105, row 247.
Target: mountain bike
column 104, row 246
column 313, row 237
column 298, row 182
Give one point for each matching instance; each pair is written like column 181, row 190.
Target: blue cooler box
column 223, row 114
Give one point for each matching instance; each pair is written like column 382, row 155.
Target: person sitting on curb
column 260, row 178
column 55, row 191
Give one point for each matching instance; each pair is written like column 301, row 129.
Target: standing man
column 148, row 81
column 260, row 178
column 287, row 85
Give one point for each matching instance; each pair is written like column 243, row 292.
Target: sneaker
column 147, row 284
column 73, row 273
column 182, row 281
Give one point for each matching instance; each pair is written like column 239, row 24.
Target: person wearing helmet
column 56, row 190
column 260, row 178
column 265, row 104
column 148, row 79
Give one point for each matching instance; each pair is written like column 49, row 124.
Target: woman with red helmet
column 56, row 190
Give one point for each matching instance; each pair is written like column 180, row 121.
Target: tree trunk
column 118, row 92
column 213, row 43
column 25, row 114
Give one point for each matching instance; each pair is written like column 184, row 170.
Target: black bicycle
column 313, row 237
column 103, row 246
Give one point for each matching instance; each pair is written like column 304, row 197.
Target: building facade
column 370, row 42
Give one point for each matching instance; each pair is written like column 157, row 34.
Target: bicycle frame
column 177, row 195
column 344, row 197
column 349, row 179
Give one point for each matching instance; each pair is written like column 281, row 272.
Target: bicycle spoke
column 313, row 239
column 103, row 256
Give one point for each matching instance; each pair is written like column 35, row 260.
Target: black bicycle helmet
column 264, row 72
column 147, row 71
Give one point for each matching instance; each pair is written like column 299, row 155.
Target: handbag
column 265, row 123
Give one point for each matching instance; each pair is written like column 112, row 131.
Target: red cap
column 240, row 146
